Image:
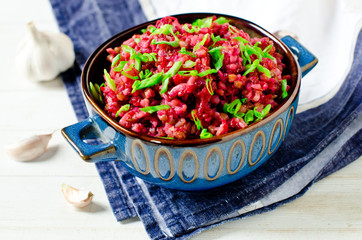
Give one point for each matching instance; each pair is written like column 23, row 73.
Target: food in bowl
column 192, row 80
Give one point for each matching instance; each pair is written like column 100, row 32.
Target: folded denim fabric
column 321, row 141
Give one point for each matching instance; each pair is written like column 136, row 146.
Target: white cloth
column 328, row 28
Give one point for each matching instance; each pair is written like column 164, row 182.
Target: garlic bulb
column 76, row 197
column 29, row 148
column 43, row 55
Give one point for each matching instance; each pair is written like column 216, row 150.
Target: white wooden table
column 32, row 205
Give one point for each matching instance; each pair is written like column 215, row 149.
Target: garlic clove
column 76, row 197
column 29, row 148
column 43, row 55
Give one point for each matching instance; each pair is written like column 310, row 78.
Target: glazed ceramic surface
column 195, row 164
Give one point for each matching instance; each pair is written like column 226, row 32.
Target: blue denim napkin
column 321, row 141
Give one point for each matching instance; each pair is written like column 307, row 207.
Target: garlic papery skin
column 76, row 197
column 43, row 55
column 29, row 148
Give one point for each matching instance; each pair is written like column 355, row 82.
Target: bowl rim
column 190, row 142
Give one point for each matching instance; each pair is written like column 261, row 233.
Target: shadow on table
column 94, row 207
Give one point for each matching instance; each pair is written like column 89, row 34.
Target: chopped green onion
column 240, row 39
column 207, row 72
column 266, row 110
column 188, row 73
column 189, row 64
column 120, row 66
column 196, row 120
column 251, row 67
column 167, row 137
column 183, row 51
column 170, row 73
column 221, row 20
column 205, row 134
column 164, row 29
column 103, row 85
column 123, row 108
column 145, row 74
column 216, row 39
column 263, row 113
column 249, row 116
column 243, row 100
column 150, row 56
column 174, row 43
column 137, row 40
column 197, row 46
column 110, row 82
column 129, row 76
column 143, row 30
column 209, row 87
column 115, row 60
column 148, row 82
column 152, row 109
column 284, row 88
column 264, row 70
column 196, row 73
column 152, row 28
column 137, row 65
column 233, row 29
column 128, row 49
column 203, row 23
column 253, row 50
column 187, row 29
column 234, row 107
column 217, row 57
column 96, row 92
column 247, row 58
column 268, row 48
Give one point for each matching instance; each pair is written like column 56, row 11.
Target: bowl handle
column 90, row 129
column 306, row 59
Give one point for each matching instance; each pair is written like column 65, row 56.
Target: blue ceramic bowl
column 195, row 164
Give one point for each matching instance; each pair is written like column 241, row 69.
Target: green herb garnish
column 110, row 82
column 196, row 120
column 170, row 73
column 148, row 82
column 183, row 51
column 263, row 113
column 251, row 67
column 166, row 29
column 264, row 70
column 115, row 60
column 189, row 64
column 216, row 39
column 205, row 134
column 233, row 108
column 197, row 46
column 196, row 73
column 233, row 29
column 192, row 30
column 123, row 108
column 221, row 20
column 167, row 137
column 120, row 66
column 209, row 87
column 217, row 57
column 249, row 116
column 96, row 92
column 152, row 109
column 207, row 72
column 284, row 88
column 203, row 23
